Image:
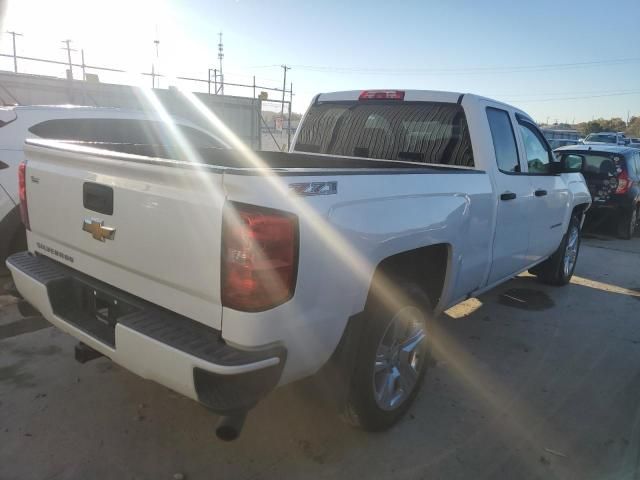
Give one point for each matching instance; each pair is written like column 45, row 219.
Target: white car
column 91, row 124
column 600, row 138
column 225, row 274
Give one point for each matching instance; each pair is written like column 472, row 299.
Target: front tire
column 391, row 361
column 558, row 269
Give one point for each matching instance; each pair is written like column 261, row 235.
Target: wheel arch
column 427, row 267
column 581, row 210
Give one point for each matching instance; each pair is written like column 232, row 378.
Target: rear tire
column 391, row 360
column 627, row 224
column 558, row 269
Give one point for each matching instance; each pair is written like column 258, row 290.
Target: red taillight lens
column 624, row 183
column 259, row 257
column 22, row 193
column 382, row 95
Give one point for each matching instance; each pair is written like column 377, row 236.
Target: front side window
column 504, row 141
column 426, row 132
column 537, row 152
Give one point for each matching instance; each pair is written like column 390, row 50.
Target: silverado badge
column 97, row 229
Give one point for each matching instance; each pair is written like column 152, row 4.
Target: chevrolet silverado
column 223, row 273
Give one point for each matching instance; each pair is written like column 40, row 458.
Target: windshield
column 600, row 137
column 425, row 132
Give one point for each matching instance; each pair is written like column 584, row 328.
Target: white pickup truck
column 222, row 274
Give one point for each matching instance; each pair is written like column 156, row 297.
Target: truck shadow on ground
column 524, row 369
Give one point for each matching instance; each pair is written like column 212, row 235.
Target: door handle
column 540, row 193
column 507, row 196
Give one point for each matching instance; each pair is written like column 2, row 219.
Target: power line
column 556, row 99
column 548, row 94
column 459, row 70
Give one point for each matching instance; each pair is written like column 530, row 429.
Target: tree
column 615, row 124
column 633, row 128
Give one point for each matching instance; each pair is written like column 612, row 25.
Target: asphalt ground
column 531, row 381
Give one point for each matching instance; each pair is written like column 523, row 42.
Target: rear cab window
column 504, row 140
column 425, row 132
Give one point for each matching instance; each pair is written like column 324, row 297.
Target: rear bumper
column 152, row 342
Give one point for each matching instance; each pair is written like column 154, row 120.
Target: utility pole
column 284, row 87
column 84, row 72
column 156, row 70
column 69, row 50
column 220, row 57
column 15, row 56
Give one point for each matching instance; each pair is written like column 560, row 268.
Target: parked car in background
column 634, row 142
column 559, row 137
column 224, row 275
column 613, row 176
column 612, row 138
column 557, row 143
column 66, row 122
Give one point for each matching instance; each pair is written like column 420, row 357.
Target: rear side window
column 504, row 140
column 426, row 132
column 119, row 130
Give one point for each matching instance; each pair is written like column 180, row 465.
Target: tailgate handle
column 97, row 197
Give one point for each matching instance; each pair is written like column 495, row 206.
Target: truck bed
column 284, row 162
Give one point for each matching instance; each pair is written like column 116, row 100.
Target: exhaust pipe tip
column 230, row 426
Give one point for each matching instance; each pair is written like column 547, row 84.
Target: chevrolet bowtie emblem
column 97, row 229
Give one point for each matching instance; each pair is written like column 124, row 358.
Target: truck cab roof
column 413, row 96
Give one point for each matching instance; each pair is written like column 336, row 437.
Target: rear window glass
column 426, row 132
column 601, row 164
column 601, row 138
column 120, row 130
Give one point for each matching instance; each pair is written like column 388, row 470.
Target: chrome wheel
column 399, row 358
column 571, row 250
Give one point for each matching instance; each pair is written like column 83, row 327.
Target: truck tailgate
column 166, row 221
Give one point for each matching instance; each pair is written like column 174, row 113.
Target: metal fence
column 275, row 138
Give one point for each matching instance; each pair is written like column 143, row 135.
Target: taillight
column 22, row 193
column 259, row 257
column 382, row 95
column 624, row 183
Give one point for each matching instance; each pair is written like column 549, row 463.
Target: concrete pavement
column 531, row 382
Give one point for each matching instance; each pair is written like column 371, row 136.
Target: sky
column 565, row 61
